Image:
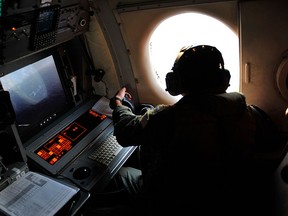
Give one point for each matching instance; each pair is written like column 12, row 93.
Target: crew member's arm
column 131, row 129
column 127, row 125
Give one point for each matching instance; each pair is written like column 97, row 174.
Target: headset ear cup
column 225, row 82
column 173, row 84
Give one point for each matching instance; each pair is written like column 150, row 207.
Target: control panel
column 25, row 30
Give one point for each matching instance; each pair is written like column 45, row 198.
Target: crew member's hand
column 118, row 98
column 121, row 93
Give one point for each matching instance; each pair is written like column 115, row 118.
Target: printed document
column 102, row 107
column 35, row 194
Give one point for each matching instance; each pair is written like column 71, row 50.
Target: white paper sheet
column 102, row 107
column 35, row 194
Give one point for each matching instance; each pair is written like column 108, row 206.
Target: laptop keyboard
column 106, row 151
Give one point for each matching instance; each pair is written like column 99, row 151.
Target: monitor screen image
column 37, row 95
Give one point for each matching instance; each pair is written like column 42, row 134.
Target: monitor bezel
column 11, row 67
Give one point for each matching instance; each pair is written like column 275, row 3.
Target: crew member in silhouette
column 201, row 155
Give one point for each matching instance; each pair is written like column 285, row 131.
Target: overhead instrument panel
column 30, row 26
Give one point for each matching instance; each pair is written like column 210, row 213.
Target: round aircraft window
column 282, row 76
column 193, row 29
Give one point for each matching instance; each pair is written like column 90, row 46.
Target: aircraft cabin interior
column 59, row 59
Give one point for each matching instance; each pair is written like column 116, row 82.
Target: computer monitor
column 37, row 92
column 55, row 127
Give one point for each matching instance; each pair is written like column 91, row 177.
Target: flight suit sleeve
column 130, row 129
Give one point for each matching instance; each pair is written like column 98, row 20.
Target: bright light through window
column 193, row 29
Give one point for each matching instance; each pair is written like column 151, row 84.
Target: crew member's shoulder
column 159, row 112
column 160, row 109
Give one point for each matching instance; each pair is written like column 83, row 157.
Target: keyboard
column 106, row 151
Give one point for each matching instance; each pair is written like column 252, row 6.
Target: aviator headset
column 198, row 68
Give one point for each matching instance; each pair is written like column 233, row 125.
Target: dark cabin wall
column 263, row 39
